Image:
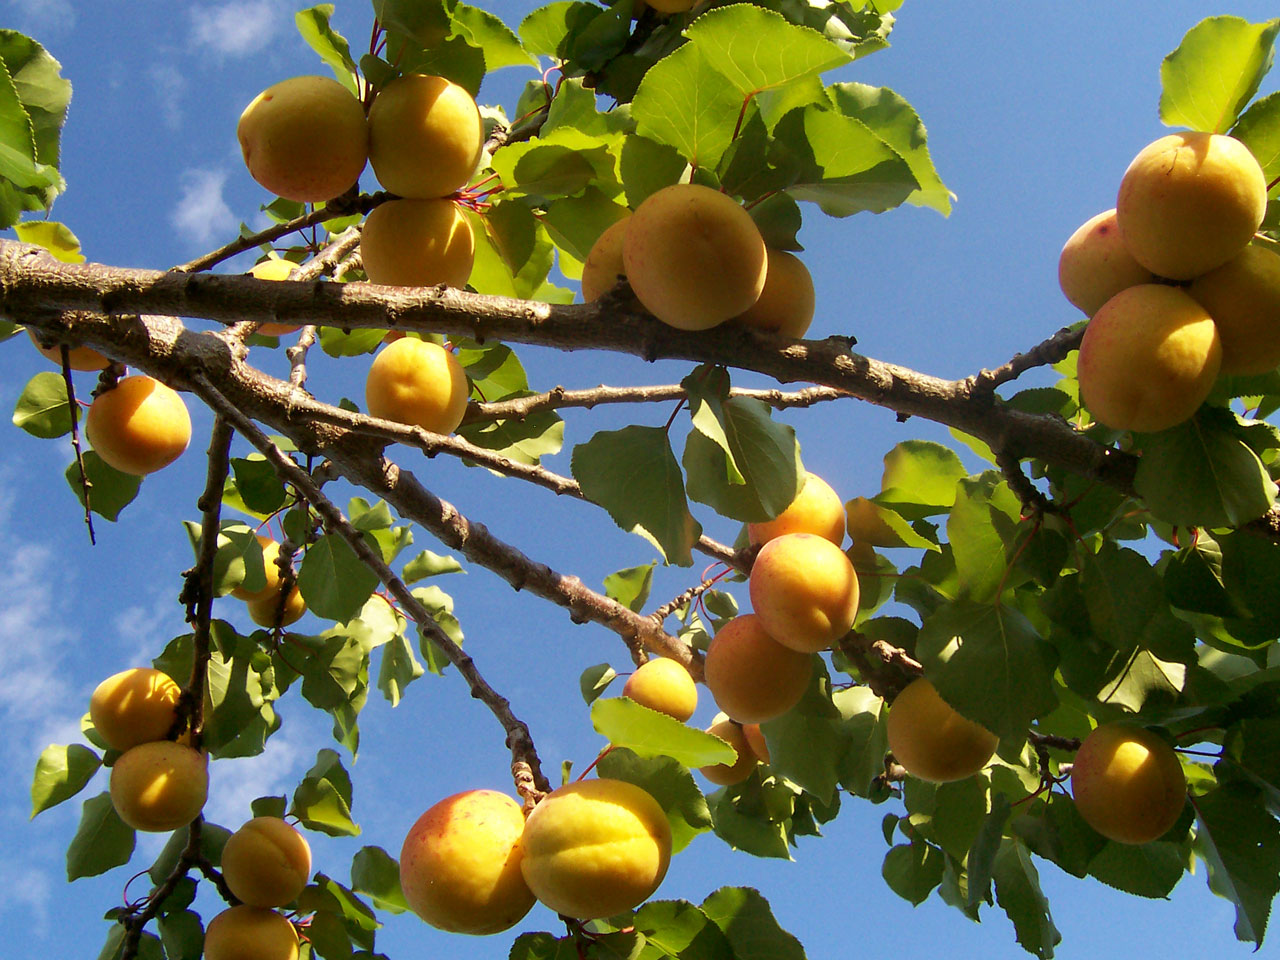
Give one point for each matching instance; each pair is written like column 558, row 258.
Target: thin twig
column 85, row 484
column 1046, row 353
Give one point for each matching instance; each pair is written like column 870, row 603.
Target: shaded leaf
column 744, row 916
column 102, row 840
column 1239, row 839
column 61, row 773
column 110, row 490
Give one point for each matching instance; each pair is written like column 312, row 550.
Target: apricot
column 250, row 933
column 1190, row 202
column 751, row 676
column 726, row 774
column 1095, row 264
column 603, row 266
column 693, row 256
column 275, row 268
column 1243, row 297
column 1127, row 783
column 756, row 741
column 787, row 302
column 595, row 848
column 1148, row 359
column 816, row 509
column 460, row 866
column 266, row 862
column 134, row 706
column 417, row 243
column 425, row 136
column 268, row 612
column 159, row 785
column 932, row 740
column 270, row 566
column 662, row 684
column 78, row 358
column 417, row 382
column 304, row 139
column 139, row 425
column 804, row 590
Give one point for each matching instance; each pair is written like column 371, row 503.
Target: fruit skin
column 250, row 933
column 693, row 256
column 267, row 612
column 664, row 685
column 266, row 862
column 425, row 136
column 304, row 138
column 727, row 774
column 804, row 590
column 752, row 677
column 78, row 358
column 270, row 567
column 932, row 740
column 1243, row 297
column 138, row 426
column 1190, row 202
column 595, row 848
column 1127, row 783
column 756, row 741
column 159, row 786
column 419, row 383
column 276, row 268
column 1148, row 359
column 417, row 243
column 460, row 864
column 1095, row 264
column 816, row 509
column 788, row 301
column 603, row 266
column 134, row 706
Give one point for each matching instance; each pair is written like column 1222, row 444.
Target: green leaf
column 630, row 587
column 428, row 564
column 1215, row 71
column 646, row 166
column 181, row 934
column 1193, row 579
column 258, row 484
column 1259, row 130
column 633, row 474
column 333, row 48
column 866, row 739
column 55, row 237
column 61, row 773
column 322, row 801
column 595, row 680
column 110, row 490
column 375, row 873
column 920, row 478
column 333, row 580
column 983, row 520
column 1127, row 605
column 668, row 782
column 649, row 733
column 43, row 409
column 1019, row 895
column 807, row 743
column 740, row 818
column 912, row 870
column 482, row 29
column 684, row 102
column 1239, row 839
column 355, row 343
column 399, row 668
column 102, row 840
column 543, row 946
column 44, row 95
column 563, row 163
column 1144, row 870
column 745, row 918
column 547, row 30
column 1058, row 833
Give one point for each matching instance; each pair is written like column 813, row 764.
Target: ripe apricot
column 662, row 684
column 726, row 774
column 417, row 243
column 756, row 741
column 134, row 706
column 78, row 358
column 159, row 785
column 693, row 256
column 139, row 425
column 751, row 676
column 266, row 862
column 932, row 740
column 270, row 567
column 1127, row 783
column 1190, row 202
column 603, row 266
column 460, row 864
column 268, row 612
column 804, row 590
column 595, row 848
column 1148, row 359
column 250, row 933
column 425, row 136
column 1095, row 264
column 816, row 509
column 417, row 382
column 1243, row 297
column 304, row 139
column 787, row 302
column 276, row 268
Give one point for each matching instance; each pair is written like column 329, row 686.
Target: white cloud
column 170, row 85
column 44, row 16
column 202, row 214
column 29, row 892
column 236, row 29
column 235, row 783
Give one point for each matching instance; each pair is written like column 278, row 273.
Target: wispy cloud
column 170, row 85
column 234, row 784
column 239, row 28
column 202, row 214
column 44, row 16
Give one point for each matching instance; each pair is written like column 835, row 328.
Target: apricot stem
column 85, row 485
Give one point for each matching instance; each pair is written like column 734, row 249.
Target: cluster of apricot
column 269, row 606
column 1176, row 291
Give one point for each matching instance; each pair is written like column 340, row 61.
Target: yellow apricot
column 595, row 848
column 266, row 862
column 305, row 138
column 425, row 136
column 787, row 302
column 417, row 243
column 816, row 509
column 804, row 590
column 756, row 741
column 726, row 774
column 134, row 706
column 932, row 740
column 603, row 266
column 268, row 612
column 1190, row 202
column 460, row 864
column 250, row 933
column 1127, row 783
column 270, row 566
column 1243, row 297
column 693, row 256
column 275, row 268
column 417, row 382
column 78, row 358
column 1148, row 359
column 751, row 676
column 1095, row 264
column 139, row 425
column 662, row 684
column 159, row 785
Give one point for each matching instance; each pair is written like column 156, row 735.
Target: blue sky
column 1033, row 109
